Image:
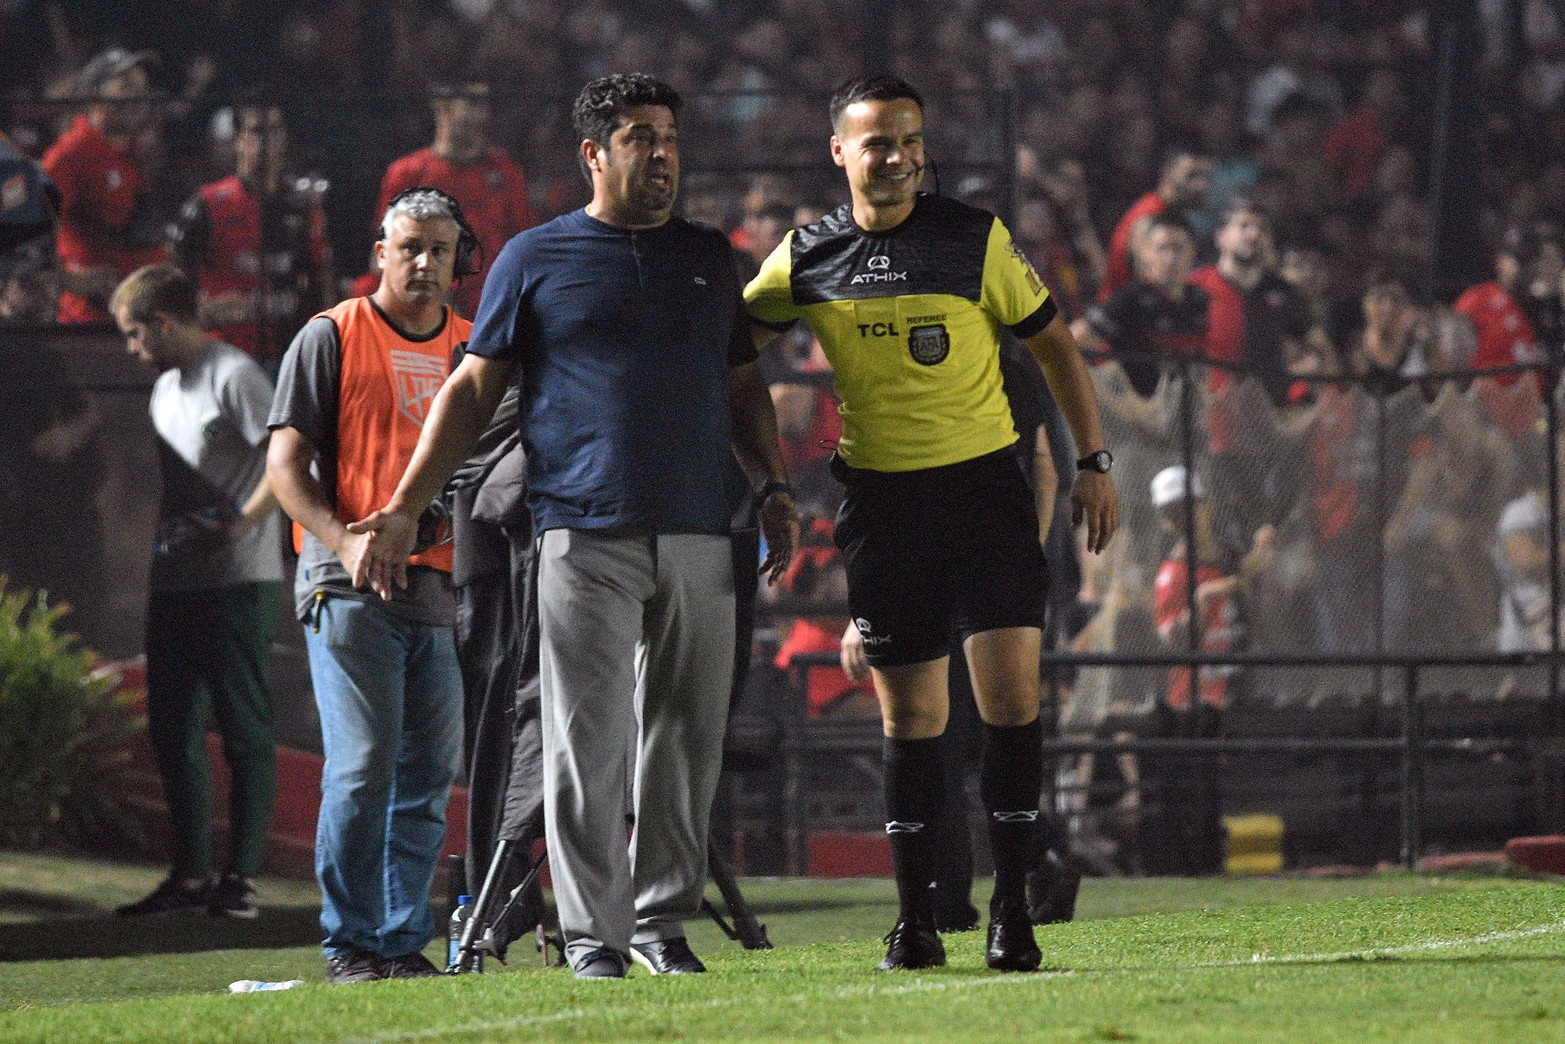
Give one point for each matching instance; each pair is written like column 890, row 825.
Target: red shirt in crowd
column 227, row 243
column 1334, row 447
column 100, row 186
column 1217, row 630
column 1505, row 337
column 493, row 195
column 817, row 634
column 1353, row 151
column 1119, row 270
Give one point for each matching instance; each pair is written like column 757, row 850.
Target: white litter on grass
column 262, row 986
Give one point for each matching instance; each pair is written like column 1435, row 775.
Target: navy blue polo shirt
column 623, row 342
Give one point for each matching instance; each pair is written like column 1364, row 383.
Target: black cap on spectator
column 106, row 65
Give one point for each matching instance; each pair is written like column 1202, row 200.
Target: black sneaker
column 233, row 896
column 355, row 966
column 1052, row 889
column 912, row 944
column 667, row 957
column 1011, row 944
column 175, row 893
column 602, row 963
column 411, row 966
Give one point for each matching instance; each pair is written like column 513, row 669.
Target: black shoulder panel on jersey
column 939, row 249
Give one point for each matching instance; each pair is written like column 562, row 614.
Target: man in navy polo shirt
column 639, row 382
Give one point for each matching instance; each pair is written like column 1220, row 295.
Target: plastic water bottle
column 261, row 986
column 459, row 918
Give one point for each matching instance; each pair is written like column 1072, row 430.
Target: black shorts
column 929, row 551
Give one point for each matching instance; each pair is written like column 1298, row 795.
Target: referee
column 907, row 294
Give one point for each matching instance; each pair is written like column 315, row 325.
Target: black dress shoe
column 667, row 957
column 1011, row 945
column 913, row 944
column 602, row 963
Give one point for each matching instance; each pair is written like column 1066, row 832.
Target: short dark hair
column 603, row 102
column 874, row 87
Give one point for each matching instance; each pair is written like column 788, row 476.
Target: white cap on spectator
column 1523, row 515
column 1168, row 487
column 106, row 65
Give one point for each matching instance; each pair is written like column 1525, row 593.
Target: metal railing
column 804, row 739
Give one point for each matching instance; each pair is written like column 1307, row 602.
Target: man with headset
column 352, row 397
column 938, row 528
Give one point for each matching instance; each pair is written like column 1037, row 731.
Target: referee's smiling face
column 880, row 145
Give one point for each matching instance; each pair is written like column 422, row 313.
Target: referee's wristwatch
column 1102, row 462
column 774, row 486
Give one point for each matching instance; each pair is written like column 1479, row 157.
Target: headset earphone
column 469, row 258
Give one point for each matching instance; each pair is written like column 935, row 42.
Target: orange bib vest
column 386, row 387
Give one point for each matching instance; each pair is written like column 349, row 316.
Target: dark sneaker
column 913, row 944
column 667, row 957
column 232, row 896
column 355, row 966
column 1011, row 944
column 175, row 893
column 602, row 963
column 411, row 966
column 1052, row 889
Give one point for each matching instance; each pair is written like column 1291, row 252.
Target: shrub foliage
column 63, row 730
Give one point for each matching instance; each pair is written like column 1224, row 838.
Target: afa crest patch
column 929, row 345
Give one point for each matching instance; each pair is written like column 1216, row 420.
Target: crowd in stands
column 1228, row 198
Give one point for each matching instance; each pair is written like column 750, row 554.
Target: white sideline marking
column 1428, row 946
column 933, row 985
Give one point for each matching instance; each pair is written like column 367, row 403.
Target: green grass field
column 1386, row 957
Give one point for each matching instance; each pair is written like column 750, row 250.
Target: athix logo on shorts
column 868, row 633
column 879, row 266
column 417, row 379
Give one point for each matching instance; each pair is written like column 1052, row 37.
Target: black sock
column 1011, row 777
column 915, row 779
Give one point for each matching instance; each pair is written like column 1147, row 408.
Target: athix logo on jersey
column 1028, row 816
column 417, row 378
column 879, row 266
column 899, row 827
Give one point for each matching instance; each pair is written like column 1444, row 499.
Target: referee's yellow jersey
column 910, row 320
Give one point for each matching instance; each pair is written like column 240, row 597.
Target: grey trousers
column 637, row 635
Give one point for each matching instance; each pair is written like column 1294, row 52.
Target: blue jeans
column 390, row 698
